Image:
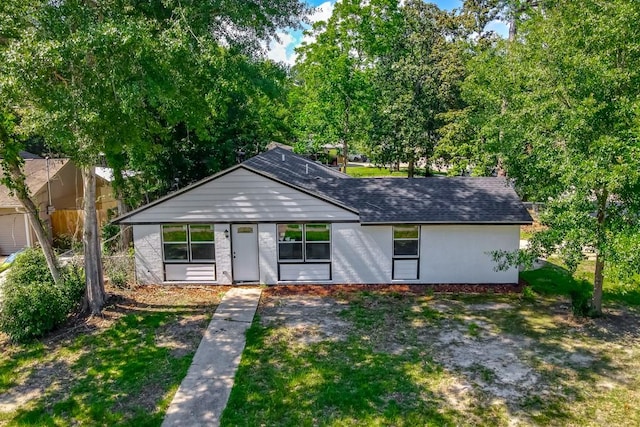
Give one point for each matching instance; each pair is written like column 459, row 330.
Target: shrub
column 32, row 303
column 66, row 242
column 581, row 303
column 119, row 269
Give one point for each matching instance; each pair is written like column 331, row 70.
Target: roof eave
column 447, row 222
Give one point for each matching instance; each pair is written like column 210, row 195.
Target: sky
column 284, row 49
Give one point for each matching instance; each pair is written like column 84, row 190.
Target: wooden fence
column 70, row 222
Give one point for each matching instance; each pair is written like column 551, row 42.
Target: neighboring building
column 65, row 185
column 280, row 218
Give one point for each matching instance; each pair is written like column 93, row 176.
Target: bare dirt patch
column 309, row 319
column 519, row 359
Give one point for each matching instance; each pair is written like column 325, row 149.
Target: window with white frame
column 188, row 243
column 304, row 242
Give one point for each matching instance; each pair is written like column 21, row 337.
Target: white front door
column 244, row 244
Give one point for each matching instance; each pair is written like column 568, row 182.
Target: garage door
column 13, row 235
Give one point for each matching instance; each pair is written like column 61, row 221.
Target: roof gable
column 438, row 200
column 240, row 195
column 35, row 171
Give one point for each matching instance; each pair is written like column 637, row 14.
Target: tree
column 570, row 135
column 411, row 85
column 111, row 76
column 331, row 81
column 12, row 22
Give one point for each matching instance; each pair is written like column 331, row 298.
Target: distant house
column 280, row 218
column 65, row 191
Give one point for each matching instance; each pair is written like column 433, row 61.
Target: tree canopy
column 569, row 134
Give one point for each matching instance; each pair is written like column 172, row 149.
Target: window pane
column 290, row 232
column 290, row 251
column 405, row 247
column 175, row 252
column 318, row 251
column 174, row 233
column 203, row 252
column 405, row 232
column 201, row 233
column 317, row 233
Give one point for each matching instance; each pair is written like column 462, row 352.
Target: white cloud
column 277, row 50
column 283, row 50
column 322, row 12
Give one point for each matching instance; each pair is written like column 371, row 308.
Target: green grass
column 332, row 383
column 388, row 372
column 371, row 172
column 118, row 376
column 554, row 279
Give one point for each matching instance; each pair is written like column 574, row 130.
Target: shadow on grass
column 363, row 381
column 553, row 279
column 329, row 383
column 114, row 376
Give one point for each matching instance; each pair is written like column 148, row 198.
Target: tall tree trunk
column 598, row 276
column 411, row 167
column 596, row 300
column 22, row 193
column 345, row 133
column 95, row 294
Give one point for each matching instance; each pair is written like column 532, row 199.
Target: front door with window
column 244, row 245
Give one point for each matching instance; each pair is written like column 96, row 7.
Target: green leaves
column 557, row 106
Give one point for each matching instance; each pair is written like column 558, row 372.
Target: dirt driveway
column 530, row 361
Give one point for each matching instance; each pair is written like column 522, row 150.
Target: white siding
column 305, row 272
column 190, row 272
column 148, row 254
column 242, row 196
column 223, row 253
column 361, row 254
column 267, row 247
column 13, row 232
column 462, row 253
column 405, row 269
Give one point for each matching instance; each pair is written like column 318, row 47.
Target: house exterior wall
column 462, row 253
column 268, row 252
column 223, row 253
column 148, row 254
column 242, row 196
column 359, row 255
column 66, row 189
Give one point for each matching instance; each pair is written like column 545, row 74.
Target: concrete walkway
column 204, row 392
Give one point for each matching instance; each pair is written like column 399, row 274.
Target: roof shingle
column 455, row 200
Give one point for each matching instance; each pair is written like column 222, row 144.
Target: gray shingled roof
column 395, row 200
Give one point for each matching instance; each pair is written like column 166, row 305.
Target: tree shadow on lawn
column 124, row 372
column 327, row 383
column 407, row 355
column 571, row 359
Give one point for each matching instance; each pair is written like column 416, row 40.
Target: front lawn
column 401, row 359
column 120, row 369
